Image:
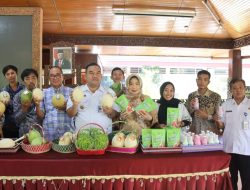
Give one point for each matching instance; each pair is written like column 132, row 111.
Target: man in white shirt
column 89, row 110
column 236, row 136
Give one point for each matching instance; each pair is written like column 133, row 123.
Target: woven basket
column 63, row 148
column 92, row 151
column 36, row 149
column 125, row 150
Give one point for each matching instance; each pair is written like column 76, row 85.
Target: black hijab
column 164, row 104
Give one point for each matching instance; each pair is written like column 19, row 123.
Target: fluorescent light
column 212, row 12
column 153, row 11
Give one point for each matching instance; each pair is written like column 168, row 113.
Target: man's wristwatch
column 209, row 117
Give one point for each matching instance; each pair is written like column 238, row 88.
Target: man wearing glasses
column 55, row 119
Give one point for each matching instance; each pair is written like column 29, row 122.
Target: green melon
column 26, row 96
column 33, row 134
column 37, row 141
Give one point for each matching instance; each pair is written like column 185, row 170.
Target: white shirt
column 90, row 110
column 236, row 138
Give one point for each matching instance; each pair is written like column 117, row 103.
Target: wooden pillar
column 235, row 64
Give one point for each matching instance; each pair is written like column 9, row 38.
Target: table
column 52, row 170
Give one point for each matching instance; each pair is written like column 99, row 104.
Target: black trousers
column 10, row 131
column 240, row 163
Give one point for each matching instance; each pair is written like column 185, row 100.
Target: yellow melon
column 58, row 100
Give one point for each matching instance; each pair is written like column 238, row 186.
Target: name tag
column 245, row 125
column 229, row 111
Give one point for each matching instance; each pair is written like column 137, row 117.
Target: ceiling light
column 209, row 7
column 153, row 11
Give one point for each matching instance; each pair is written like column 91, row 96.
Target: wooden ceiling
column 95, row 17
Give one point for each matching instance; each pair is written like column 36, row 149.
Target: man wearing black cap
column 61, row 61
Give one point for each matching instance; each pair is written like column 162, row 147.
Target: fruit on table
column 7, row 143
column 131, row 141
column 2, row 108
column 4, row 96
column 26, row 96
column 37, row 141
column 107, row 100
column 33, row 134
column 58, row 100
column 118, row 140
column 66, row 139
column 37, row 94
column 77, row 94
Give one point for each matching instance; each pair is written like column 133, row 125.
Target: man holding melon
column 97, row 104
column 23, row 103
column 52, row 108
column 9, row 128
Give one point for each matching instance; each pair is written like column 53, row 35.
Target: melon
column 7, row 143
column 37, row 94
column 26, row 96
column 2, row 108
column 118, row 140
column 65, row 140
column 107, row 100
column 77, row 94
column 33, row 134
column 58, row 100
column 131, row 141
column 4, row 96
column 37, row 141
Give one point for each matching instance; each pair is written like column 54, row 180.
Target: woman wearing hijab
column 167, row 100
column 136, row 120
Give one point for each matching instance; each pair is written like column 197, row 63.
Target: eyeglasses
column 57, row 76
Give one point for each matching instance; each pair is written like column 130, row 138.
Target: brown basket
column 92, row 151
column 36, row 149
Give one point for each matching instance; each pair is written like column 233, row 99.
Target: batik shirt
column 209, row 103
column 56, row 122
column 24, row 120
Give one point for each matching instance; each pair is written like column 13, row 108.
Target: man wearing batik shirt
column 25, row 112
column 209, row 101
column 9, row 128
column 56, row 121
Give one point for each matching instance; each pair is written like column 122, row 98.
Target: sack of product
column 123, row 103
column 158, row 138
column 117, row 87
column 173, row 135
column 148, row 105
column 146, row 138
column 172, row 116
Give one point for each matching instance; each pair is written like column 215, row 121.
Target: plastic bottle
column 196, row 104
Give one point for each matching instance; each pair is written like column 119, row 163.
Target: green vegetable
column 92, row 138
column 101, row 141
column 85, row 141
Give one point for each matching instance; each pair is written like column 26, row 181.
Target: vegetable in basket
column 92, row 138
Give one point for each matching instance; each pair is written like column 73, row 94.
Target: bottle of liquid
column 196, row 104
column 220, row 112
